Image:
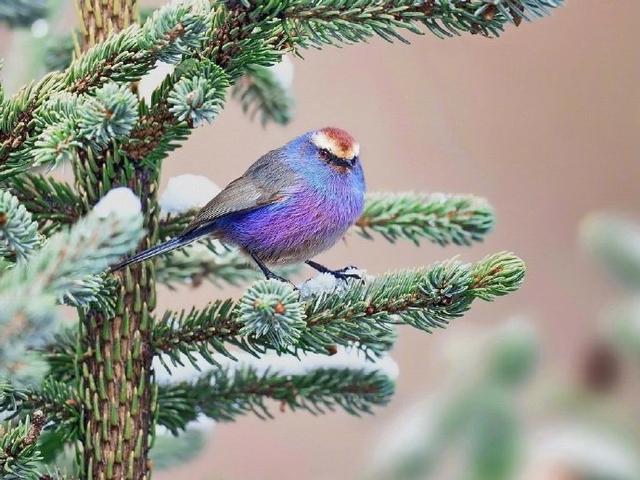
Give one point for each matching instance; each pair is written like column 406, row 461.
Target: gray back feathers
column 266, row 181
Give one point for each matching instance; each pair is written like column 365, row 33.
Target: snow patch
column 186, row 192
column 119, row 201
column 327, row 283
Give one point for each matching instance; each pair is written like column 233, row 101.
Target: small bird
column 290, row 205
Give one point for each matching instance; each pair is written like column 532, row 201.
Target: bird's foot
column 273, row 276
column 341, row 274
column 269, row 274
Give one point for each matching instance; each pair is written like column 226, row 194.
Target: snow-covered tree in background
column 93, row 387
column 500, row 415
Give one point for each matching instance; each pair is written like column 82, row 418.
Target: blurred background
column 544, row 123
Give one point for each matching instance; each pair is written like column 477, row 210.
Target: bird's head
column 335, row 148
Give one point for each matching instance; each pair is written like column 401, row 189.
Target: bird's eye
column 325, row 154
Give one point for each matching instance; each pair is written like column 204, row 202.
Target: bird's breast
column 305, row 223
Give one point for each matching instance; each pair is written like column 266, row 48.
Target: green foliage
column 21, row 13
column 182, row 31
column 19, row 454
column 261, row 94
column 56, row 248
column 512, row 357
column 18, row 231
column 363, row 315
column 199, row 262
column 442, row 219
column 59, row 53
column 57, row 144
column 198, row 97
column 474, row 417
column 337, row 21
column 272, row 311
column 109, row 115
column 224, row 394
column 64, row 267
column 53, row 204
column 169, row 451
column 613, row 240
column 176, row 30
column 56, row 400
column 494, row 437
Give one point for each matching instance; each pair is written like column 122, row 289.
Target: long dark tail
column 165, row 247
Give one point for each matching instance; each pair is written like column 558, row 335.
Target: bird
column 292, row 204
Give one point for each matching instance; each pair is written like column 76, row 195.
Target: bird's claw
column 343, row 275
column 346, row 269
column 346, row 276
column 273, row 276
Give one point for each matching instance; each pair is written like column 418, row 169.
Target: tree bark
column 115, row 355
column 101, row 18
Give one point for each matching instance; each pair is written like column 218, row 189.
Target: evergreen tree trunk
column 100, row 18
column 115, row 382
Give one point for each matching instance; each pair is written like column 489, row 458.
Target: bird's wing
column 267, row 181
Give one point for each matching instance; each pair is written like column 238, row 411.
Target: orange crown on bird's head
column 337, row 141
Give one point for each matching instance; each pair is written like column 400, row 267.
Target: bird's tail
column 165, row 247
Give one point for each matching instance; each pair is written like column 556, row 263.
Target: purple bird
column 292, row 204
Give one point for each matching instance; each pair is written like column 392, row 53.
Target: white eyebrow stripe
column 321, row 140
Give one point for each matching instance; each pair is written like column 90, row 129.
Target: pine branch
column 440, row 218
column 614, row 241
column 191, row 96
column 443, row 219
column 57, row 400
column 53, row 204
column 60, row 355
column 122, row 57
column 260, row 93
column 108, row 115
column 63, row 268
column 18, row 232
column 225, row 394
column 362, row 314
column 19, row 454
column 174, row 224
column 240, row 38
column 22, row 13
column 312, row 23
column 251, row 35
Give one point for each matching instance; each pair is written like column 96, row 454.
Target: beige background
column 544, row 122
